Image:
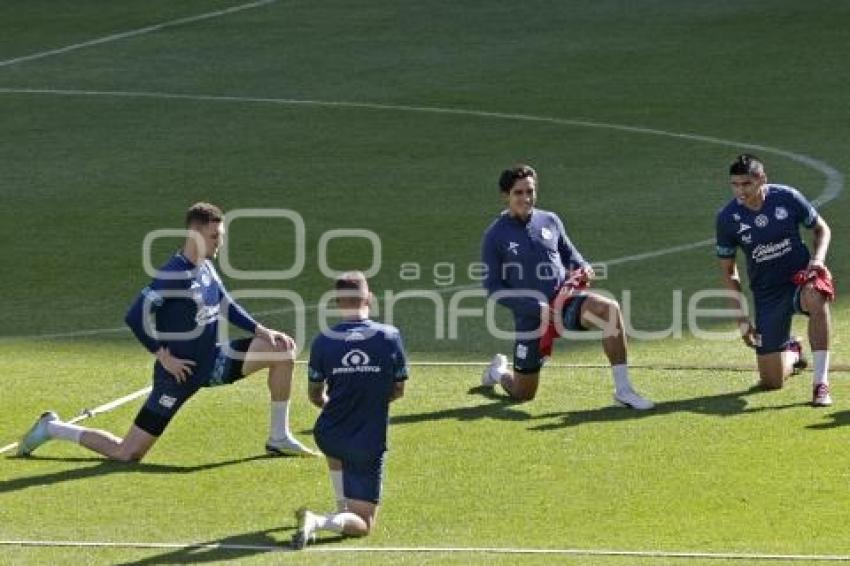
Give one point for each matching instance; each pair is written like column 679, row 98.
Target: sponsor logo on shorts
column 781, row 213
column 761, row 220
column 767, row 252
column 356, row 361
column 521, row 351
column 167, row 401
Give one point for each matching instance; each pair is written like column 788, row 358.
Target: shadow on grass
column 841, row 418
column 722, row 405
column 106, row 467
column 235, row 547
column 501, row 409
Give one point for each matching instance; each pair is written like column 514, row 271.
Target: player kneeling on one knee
column 535, row 271
column 356, row 369
column 763, row 221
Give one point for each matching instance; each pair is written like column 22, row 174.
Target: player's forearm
column 134, row 319
column 732, row 283
column 822, row 238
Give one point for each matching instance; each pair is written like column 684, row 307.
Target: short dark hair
column 510, row 176
column 747, row 164
column 351, row 286
column 203, row 213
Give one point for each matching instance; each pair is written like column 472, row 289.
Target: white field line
column 135, row 32
column 329, row 549
column 832, row 189
column 835, row 179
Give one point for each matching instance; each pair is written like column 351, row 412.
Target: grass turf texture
column 83, row 179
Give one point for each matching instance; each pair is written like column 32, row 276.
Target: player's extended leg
column 354, row 517
column 132, row 448
column 262, row 354
column 820, row 327
column 604, row 314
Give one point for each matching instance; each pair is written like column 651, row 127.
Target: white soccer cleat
column 821, row 396
column 493, row 373
column 306, row 532
column 37, row 434
column 630, row 398
column 288, row 446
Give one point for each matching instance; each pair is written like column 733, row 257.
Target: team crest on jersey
column 513, row 247
column 205, row 279
column 736, row 217
column 781, row 213
column 546, row 233
column 761, row 220
column 354, row 336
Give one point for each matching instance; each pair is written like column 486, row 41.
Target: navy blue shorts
column 527, row 357
column 774, row 310
column 167, row 395
column 362, row 475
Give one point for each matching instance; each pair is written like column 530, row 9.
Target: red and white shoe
column 821, row 396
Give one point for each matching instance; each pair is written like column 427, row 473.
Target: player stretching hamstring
column 186, row 298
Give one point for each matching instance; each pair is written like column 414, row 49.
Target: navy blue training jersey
column 769, row 237
column 188, row 300
column 360, row 362
column 533, row 255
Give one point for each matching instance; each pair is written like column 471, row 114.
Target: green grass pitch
column 396, row 118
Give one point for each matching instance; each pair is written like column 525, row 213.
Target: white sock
column 279, row 426
column 65, row 431
column 333, row 521
column 339, row 490
column 821, row 359
column 621, row 377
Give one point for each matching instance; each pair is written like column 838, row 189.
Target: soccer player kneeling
column 356, row 369
column 786, row 279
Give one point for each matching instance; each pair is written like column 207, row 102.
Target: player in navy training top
column 356, row 370
column 187, row 298
column 529, row 257
column 763, row 221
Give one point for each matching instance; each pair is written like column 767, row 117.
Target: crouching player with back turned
column 763, row 220
column 356, row 369
column 186, row 299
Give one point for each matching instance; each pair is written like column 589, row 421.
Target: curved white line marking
column 831, row 191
